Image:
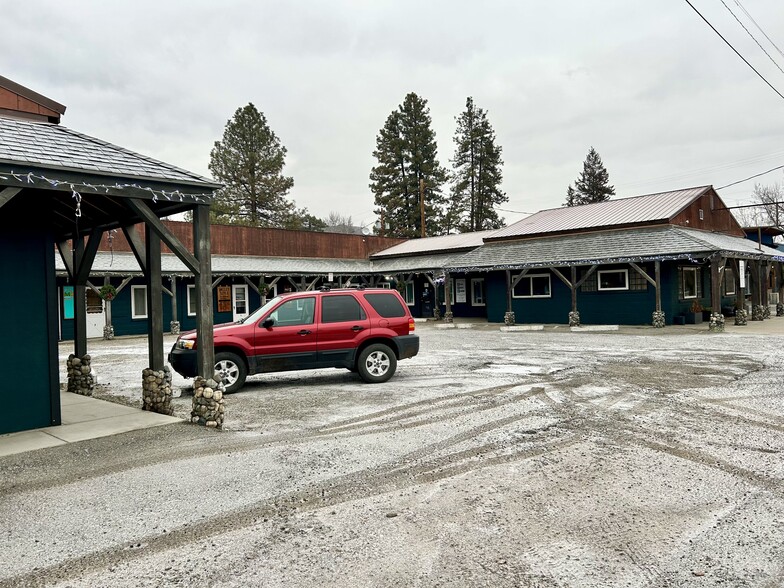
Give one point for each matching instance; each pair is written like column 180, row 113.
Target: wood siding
column 12, row 101
column 715, row 216
column 234, row 240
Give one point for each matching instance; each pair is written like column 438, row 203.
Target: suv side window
column 299, row 311
column 386, row 305
column 339, row 309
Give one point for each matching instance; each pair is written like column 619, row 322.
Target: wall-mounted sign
column 68, row 302
column 224, row 298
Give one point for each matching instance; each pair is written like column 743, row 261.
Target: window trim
column 696, row 271
column 134, row 314
column 528, row 277
column 473, row 296
column 625, row 273
column 190, row 293
column 412, row 301
column 729, row 272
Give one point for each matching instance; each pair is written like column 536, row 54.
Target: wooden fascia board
column 6, row 194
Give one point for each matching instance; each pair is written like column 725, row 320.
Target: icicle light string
column 77, row 188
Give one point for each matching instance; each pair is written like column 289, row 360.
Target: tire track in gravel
column 413, row 469
column 443, row 408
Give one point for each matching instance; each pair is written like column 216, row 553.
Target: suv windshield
column 260, row 312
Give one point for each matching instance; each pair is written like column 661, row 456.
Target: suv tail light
column 411, row 325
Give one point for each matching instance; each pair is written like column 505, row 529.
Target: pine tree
column 477, row 176
column 571, row 197
column 406, row 153
column 249, row 162
column 593, row 184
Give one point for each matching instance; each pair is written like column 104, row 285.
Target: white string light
column 77, row 188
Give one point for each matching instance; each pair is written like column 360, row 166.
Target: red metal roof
column 651, row 208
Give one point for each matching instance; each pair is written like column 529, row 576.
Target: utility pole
column 422, row 205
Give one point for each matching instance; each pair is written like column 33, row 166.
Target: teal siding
column 28, row 297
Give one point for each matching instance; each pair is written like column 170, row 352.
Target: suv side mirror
column 268, row 322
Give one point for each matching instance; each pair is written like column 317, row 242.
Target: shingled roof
column 51, row 146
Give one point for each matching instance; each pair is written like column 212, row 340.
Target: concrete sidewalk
column 83, row 418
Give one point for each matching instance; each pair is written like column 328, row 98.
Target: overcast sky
column 662, row 99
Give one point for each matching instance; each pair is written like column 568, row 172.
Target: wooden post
column 80, row 301
column 174, row 298
column 715, row 285
column 201, row 245
column 573, row 288
column 508, row 291
column 447, row 296
column 657, row 270
column 154, row 281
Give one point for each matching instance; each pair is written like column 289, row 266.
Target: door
column 96, row 320
column 343, row 325
column 290, row 342
column 239, row 297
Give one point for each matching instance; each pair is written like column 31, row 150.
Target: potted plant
column 264, row 289
column 694, row 314
column 107, row 292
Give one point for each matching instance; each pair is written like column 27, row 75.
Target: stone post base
column 741, row 317
column 207, row 403
column 574, row 319
column 716, row 322
column 766, row 311
column 780, row 309
column 509, row 319
column 174, row 327
column 108, row 332
column 658, row 320
column 437, row 313
column 80, row 380
column 157, row 390
column 448, row 317
column 757, row 312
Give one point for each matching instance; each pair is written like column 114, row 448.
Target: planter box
column 693, row 318
column 679, row 319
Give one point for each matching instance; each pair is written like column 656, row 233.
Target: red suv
column 363, row 330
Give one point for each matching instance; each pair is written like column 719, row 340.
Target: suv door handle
column 303, row 332
column 357, row 328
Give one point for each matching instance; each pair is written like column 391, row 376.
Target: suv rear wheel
column 231, row 369
column 376, row 363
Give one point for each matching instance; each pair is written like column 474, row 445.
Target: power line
column 751, row 177
column 735, row 50
column 752, row 36
column 751, row 18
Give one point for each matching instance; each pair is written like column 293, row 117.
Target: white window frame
column 409, row 294
column 625, row 273
column 475, row 281
column 134, row 314
column 191, row 295
column 385, row 285
column 528, row 277
column 696, row 272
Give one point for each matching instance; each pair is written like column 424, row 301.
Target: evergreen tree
column 476, row 180
column 571, row 197
column 406, row 153
column 593, row 185
column 249, row 162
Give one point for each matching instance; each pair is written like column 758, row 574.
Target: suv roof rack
column 325, row 288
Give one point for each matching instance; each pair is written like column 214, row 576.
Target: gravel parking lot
column 640, row 458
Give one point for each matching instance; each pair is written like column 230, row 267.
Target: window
column 191, row 295
column 690, row 282
column 477, row 292
column 532, row 286
column 299, row 311
column 729, row 282
column 408, row 293
column 94, row 302
column 385, row 285
column 139, row 302
column 614, row 279
column 386, row 305
column 339, row 309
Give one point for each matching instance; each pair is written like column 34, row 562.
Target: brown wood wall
column 234, row 240
column 715, row 217
column 13, row 101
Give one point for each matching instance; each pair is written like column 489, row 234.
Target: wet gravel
column 638, row 458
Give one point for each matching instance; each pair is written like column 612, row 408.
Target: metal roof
column 37, row 144
column 124, row 263
column 419, row 263
column 435, row 244
column 650, row 208
column 640, row 244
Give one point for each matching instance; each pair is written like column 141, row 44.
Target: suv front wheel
column 231, row 369
column 376, row 363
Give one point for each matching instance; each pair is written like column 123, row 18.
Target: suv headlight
column 185, row 343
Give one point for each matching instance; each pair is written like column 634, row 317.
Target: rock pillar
column 509, row 319
column 574, row 318
column 157, row 391
column 207, row 403
column 741, row 317
column 716, row 323
column 659, row 320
